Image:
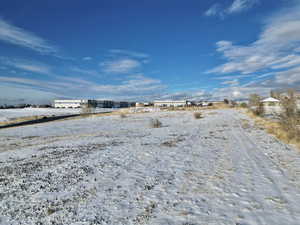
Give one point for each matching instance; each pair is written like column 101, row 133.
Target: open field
column 217, row 170
column 13, row 114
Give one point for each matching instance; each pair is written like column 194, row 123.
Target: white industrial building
column 70, row 103
column 170, row 103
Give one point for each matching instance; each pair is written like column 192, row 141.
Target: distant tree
column 256, row 105
column 275, row 94
column 254, row 100
column 289, row 104
column 226, row 101
column 243, row 105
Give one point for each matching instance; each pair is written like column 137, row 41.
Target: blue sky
column 142, row 49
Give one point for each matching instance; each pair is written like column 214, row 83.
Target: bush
column 197, row 115
column 259, row 110
column 155, row 123
column 244, row 105
column 291, row 126
column 123, row 115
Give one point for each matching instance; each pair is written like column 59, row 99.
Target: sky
column 145, row 50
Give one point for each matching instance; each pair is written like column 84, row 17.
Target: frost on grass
column 155, row 123
column 197, row 115
column 94, row 171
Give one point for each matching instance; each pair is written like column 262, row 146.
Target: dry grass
column 245, row 124
column 123, row 115
column 288, row 132
column 155, row 123
column 198, row 115
column 21, row 119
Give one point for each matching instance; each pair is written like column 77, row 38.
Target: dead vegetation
column 287, row 127
column 155, row 123
column 290, row 117
column 198, row 115
column 123, row 115
column 287, row 131
column 174, row 142
column 255, row 105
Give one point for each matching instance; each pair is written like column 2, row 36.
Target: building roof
column 167, row 101
column 270, row 99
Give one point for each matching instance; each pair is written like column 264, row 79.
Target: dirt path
column 110, row 170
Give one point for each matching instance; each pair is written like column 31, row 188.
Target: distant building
column 271, row 106
column 170, row 103
column 123, row 104
column 105, row 103
column 139, row 104
column 70, row 103
column 88, row 102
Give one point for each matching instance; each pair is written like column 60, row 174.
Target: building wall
column 169, row 103
column 69, row 103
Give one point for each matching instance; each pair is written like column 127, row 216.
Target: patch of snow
column 112, row 170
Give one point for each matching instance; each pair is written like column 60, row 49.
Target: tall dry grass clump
column 255, row 105
column 123, row 115
column 155, row 123
column 290, row 119
column 197, row 115
column 287, row 128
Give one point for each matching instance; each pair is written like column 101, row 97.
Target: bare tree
column 256, row 105
column 254, row 100
column 290, row 119
column 275, row 94
column 289, row 104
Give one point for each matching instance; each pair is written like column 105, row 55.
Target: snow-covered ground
column 9, row 114
column 112, row 170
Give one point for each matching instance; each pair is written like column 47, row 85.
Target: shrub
column 244, row 105
column 197, row 115
column 123, row 115
column 259, row 110
column 291, row 126
column 155, row 123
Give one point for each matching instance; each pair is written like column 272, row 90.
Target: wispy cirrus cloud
column 271, row 57
column 87, row 58
column 25, row 65
column 215, row 10
column 129, row 53
column 12, row 34
column 236, row 6
column 241, row 5
column 132, row 87
column 124, row 65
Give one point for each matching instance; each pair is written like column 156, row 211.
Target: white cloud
column 27, row 66
column 20, row 37
column 237, row 6
column 125, row 65
column 87, row 58
column 241, row 5
column 230, row 77
column 86, row 71
column 272, row 54
column 234, row 82
column 215, row 10
column 133, row 87
column 128, row 53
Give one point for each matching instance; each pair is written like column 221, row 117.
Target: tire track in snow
column 265, row 175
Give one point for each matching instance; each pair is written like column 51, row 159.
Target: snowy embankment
column 112, row 170
column 11, row 114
